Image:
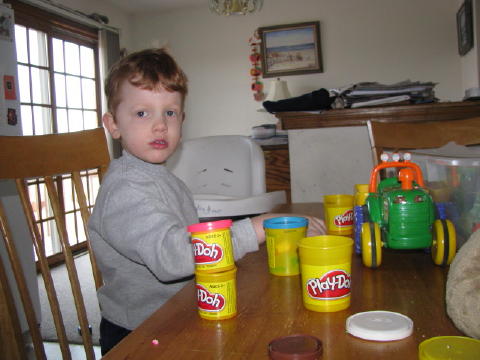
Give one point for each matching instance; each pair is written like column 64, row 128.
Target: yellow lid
column 449, row 348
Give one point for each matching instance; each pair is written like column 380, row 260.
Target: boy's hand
column 316, row 226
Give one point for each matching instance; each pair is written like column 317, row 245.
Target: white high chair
column 226, row 175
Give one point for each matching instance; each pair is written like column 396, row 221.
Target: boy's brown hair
column 146, row 69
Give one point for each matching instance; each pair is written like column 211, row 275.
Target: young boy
column 138, row 226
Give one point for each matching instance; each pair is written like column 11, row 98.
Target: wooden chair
column 24, row 158
column 421, row 135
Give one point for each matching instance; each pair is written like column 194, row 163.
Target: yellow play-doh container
column 325, row 265
column 338, row 214
column 281, row 236
column 212, row 246
column 217, row 294
column 449, row 347
column 360, row 194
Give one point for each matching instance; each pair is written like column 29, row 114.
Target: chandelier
column 235, row 7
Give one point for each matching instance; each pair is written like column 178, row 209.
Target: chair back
column 228, row 165
column 47, row 158
column 421, row 135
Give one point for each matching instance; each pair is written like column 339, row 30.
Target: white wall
column 362, row 40
column 117, row 18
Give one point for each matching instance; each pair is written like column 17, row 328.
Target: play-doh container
column 282, row 235
column 217, row 294
column 212, row 246
column 359, row 198
column 338, row 214
column 449, row 347
column 360, row 194
column 325, row 265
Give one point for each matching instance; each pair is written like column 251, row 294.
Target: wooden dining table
column 271, row 306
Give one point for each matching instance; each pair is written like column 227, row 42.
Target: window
column 57, row 64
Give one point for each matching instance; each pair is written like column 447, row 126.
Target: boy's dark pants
column 110, row 335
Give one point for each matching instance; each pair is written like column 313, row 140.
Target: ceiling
column 155, row 5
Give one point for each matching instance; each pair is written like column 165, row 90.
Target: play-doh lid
column 285, row 222
column 209, row 226
column 449, row 347
column 298, row 346
column 379, row 325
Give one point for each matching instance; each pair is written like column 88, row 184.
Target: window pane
column 90, row 119
column 94, row 185
column 88, row 63
column 38, row 47
column 24, row 83
column 89, row 94
column 75, row 120
column 60, row 93
column 58, row 64
column 72, row 58
column 74, row 95
column 52, row 242
column 21, row 43
column 32, row 194
column 81, row 231
column 71, row 228
column 27, row 121
column 62, row 121
column 40, row 86
column 44, row 205
column 43, row 120
column 67, row 193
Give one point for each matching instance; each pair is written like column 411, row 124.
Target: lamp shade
column 278, row 90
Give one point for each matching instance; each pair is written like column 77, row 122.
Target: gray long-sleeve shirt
column 139, row 237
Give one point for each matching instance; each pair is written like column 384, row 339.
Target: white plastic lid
column 379, row 325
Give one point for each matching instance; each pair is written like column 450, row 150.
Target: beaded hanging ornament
column 255, row 71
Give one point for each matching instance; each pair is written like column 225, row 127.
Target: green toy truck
column 399, row 213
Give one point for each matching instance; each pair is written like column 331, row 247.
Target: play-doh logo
column 206, row 253
column 335, row 284
column 345, row 219
column 207, row 301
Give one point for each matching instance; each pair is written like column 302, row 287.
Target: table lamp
column 278, row 90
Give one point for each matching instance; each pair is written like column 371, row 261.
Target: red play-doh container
column 212, row 246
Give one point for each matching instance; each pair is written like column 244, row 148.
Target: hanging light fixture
column 235, row 7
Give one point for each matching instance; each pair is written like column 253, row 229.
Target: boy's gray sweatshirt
column 139, row 237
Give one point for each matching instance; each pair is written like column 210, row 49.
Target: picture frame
column 6, row 26
column 465, row 27
column 291, row 49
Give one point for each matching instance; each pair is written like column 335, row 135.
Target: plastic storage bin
column 452, row 174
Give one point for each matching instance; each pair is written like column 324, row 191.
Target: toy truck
column 399, row 213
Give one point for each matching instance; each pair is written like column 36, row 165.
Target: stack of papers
column 375, row 94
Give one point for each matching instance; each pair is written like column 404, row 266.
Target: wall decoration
column 291, row 49
column 255, row 71
column 12, row 117
column 6, row 26
column 465, row 27
column 9, row 87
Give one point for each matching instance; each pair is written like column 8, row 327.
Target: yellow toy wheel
column 444, row 243
column 371, row 245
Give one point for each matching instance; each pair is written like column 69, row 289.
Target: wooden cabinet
column 277, row 168
column 402, row 113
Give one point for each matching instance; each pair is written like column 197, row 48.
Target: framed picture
column 6, row 26
column 465, row 27
column 292, row 49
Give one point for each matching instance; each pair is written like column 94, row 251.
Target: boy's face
column 148, row 122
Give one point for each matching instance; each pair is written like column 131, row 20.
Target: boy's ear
column 111, row 125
